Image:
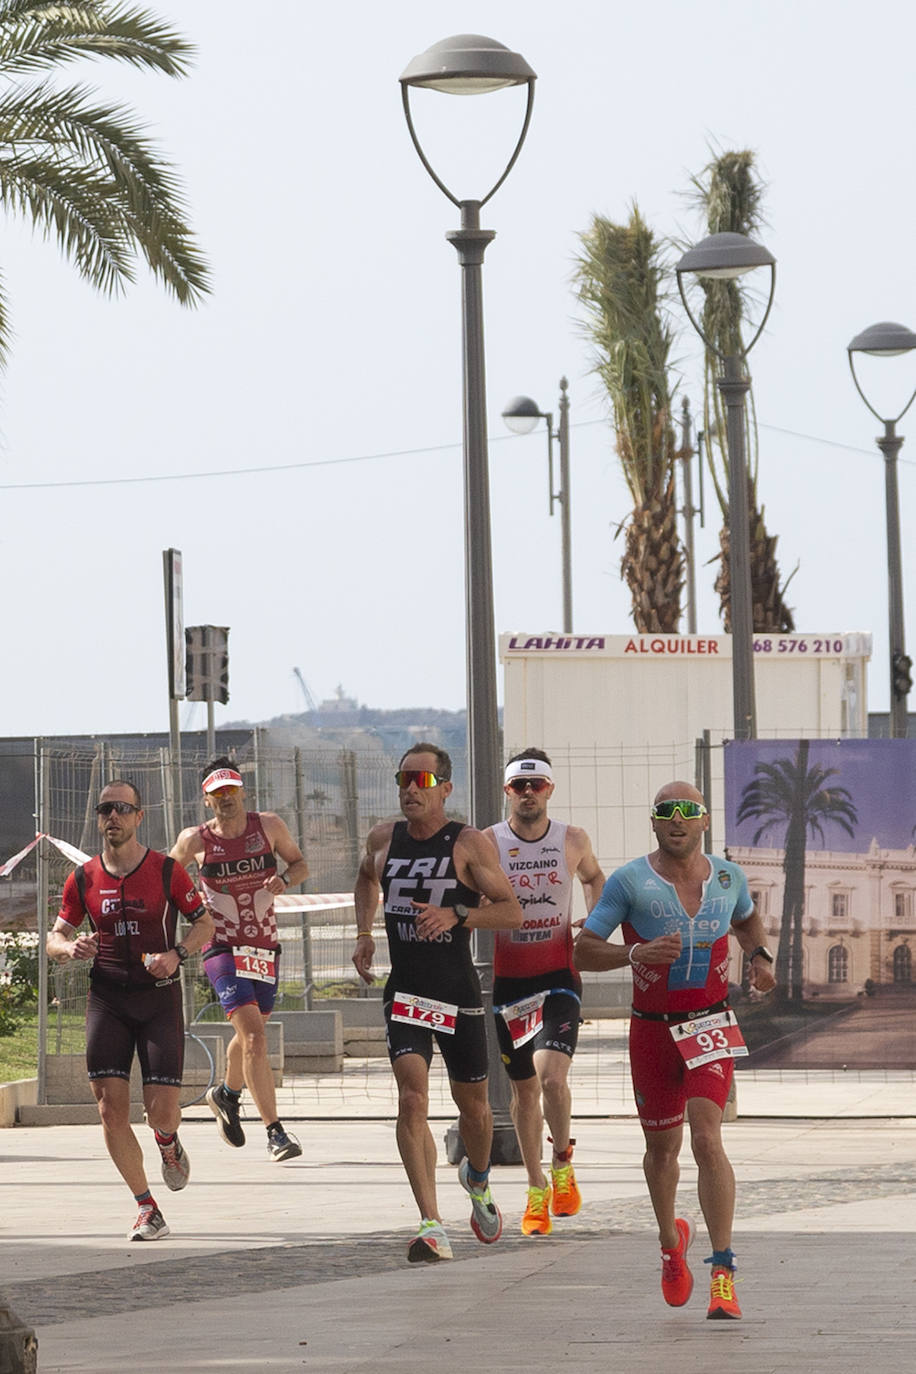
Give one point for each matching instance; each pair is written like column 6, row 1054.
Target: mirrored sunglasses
column 405, row 776
column 520, row 785
column 122, row 808
column 666, row 810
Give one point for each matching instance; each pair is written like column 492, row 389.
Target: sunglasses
column 666, row 810
column 122, row 808
column 405, row 776
column 520, row 785
column 223, row 791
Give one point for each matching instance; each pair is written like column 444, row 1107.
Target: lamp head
column 521, row 414
column 467, row 64
column 885, row 340
column 725, row 256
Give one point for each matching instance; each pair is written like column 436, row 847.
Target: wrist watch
column 763, row 952
column 182, row 953
column 460, row 913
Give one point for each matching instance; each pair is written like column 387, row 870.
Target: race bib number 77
column 711, row 1037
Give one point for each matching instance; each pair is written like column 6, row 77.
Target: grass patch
column 19, row 1054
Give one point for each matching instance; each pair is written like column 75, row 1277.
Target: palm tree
column 788, row 793
column 80, row 169
column 730, row 195
column 618, row 278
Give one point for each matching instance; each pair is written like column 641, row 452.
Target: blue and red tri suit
column 644, row 905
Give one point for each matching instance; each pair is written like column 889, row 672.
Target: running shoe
column 430, row 1244
column 150, row 1225
column 486, row 1218
column 536, row 1221
column 176, row 1167
column 281, row 1146
column 677, row 1280
column 226, row 1111
column 566, row 1196
column 722, row 1300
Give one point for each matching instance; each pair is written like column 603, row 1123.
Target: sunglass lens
column 405, row 776
column 689, row 810
column 520, row 785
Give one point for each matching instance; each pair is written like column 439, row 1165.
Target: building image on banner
column 826, row 833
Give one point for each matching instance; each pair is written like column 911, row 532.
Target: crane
column 309, row 699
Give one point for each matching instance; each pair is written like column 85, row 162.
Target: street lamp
column 469, row 64
column 725, row 257
column 888, row 340
column 521, row 415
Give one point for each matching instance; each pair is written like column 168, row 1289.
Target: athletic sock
column 479, row 1179
column 722, row 1259
column 164, row 1140
column 236, row 1095
column 145, row 1199
column 275, row 1127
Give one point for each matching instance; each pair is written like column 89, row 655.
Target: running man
column 236, row 855
column 675, row 908
column 432, row 873
column 537, row 992
column 132, row 898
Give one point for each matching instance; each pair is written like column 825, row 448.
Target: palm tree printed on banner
column 80, row 169
column 789, row 793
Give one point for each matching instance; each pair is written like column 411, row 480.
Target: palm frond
column 35, row 36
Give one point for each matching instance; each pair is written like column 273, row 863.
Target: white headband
column 527, row 768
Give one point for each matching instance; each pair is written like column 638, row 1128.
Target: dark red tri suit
column 127, row 1009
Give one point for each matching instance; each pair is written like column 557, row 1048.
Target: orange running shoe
column 722, row 1300
column 536, row 1221
column 566, row 1196
column 677, row 1280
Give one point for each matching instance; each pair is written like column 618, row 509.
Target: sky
column 298, row 437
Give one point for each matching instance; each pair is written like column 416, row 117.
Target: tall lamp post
column 470, row 64
column 888, row 340
column 521, row 415
column 726, row 257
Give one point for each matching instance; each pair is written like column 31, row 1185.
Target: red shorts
column 662, row 1081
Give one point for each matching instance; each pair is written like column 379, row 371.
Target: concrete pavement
column 302, row 1266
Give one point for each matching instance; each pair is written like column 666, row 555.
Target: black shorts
column 465, row 1052
column 121, row 1020
column 559, row 1030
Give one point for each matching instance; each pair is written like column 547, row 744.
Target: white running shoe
column 150, row 1225
column 430, row 1244
column 176, row 1167
column 486, row 1218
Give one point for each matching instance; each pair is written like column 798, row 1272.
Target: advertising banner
column 826, row 832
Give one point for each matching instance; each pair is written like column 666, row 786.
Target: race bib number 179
column 424, row 1011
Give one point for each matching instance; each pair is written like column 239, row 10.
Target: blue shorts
column 234, row 991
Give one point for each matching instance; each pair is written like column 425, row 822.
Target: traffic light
column 901, row 673
column 207, row 663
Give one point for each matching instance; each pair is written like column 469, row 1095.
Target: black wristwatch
column 763, row 952
column 182, row 953
column 461, row 913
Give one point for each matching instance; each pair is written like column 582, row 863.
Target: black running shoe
column 226, row 1111
column 281, row 1146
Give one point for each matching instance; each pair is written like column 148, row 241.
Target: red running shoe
column 677, row 1280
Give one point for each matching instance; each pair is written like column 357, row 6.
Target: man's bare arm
column 282, row 843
